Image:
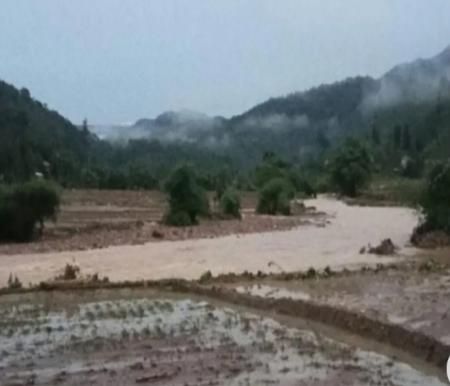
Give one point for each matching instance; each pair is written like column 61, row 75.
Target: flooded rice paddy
column 150, row 338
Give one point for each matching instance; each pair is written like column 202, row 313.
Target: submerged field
column 145, row 337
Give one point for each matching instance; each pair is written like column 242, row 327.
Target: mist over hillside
column 415, row 82
column 303, row 122
column 412, row 101
column 171, row 126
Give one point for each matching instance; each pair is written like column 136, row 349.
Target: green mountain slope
column 34, row 138
column 413, row 98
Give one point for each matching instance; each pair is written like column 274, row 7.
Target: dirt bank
column 404, row 306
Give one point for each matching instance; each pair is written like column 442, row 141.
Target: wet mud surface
column 414, row 299
column 146, row 337
column 335, row 243
column 93, row 219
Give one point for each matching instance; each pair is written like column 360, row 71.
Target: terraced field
column 145, row 337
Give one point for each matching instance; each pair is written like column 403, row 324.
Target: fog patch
column 417, row 82
column 182, row 126
column 276, row 122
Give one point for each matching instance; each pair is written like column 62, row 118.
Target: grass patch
column 393, row 190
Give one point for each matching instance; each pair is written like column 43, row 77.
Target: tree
column 397, row 136
column 375, row 136
column 275, row 196
column 25, row 207
column 436, row 199
column 351, row 167
column 187, row 199
column 230, row 203
column 272, row 167
column 322, row 140
column 220, row 181
column 406, row 138
column 411, row 167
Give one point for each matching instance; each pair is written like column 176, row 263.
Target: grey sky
column 115, row 61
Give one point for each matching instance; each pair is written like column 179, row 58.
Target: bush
column 275, row 196
column 187, row 199
column 178, row 219
column 351, row 168
column 411, row 167
column 322, row 183
column 302, row 184
column 220, row 181
column 14, row 282
column 230, row 203
column 205, row 277
column 436, row 199
column 272, row 167
column 402, row 191
column 24, row 207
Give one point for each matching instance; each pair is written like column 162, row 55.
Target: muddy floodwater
column 336, row 244
column 145, row 337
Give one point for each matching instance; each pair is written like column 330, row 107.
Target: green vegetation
column 309, row 130
column 220, row 183
column 436, row 200
column 275, row 197
column 37, row 140
column 187, row 199
column 351, row 168
column 273, row 167
column 393, row 190
column 230, row 203
column 14, row 282
column 24, row 208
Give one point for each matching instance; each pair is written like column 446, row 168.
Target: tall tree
column 375, row 135
column 397, row 136
column 406, row 138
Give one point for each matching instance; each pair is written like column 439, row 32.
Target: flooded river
column 336, row 245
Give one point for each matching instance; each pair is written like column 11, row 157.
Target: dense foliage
column 230, row 203
column 275, row 197
column 436, row 200
column 24, row 208
column 36, row 139
column 187, row 199
column 351, row 168
column 272, row 167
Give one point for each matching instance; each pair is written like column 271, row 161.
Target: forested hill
column 412, row 98
column 421, row 80
column 35, row 138
column 338, row 100
column 405, row 112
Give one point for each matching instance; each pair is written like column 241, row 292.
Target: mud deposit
column 335, row 244
column 93, row 219
column 413, row 299
column 134, row 338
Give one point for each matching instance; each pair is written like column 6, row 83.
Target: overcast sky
column 115, row 61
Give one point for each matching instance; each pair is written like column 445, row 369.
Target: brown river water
column 336, row 245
